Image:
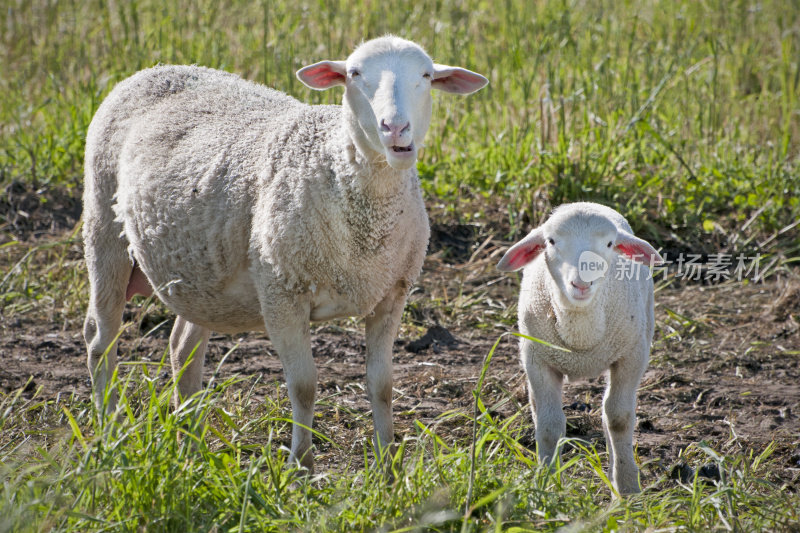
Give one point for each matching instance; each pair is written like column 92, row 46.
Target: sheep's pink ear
column 637, row 249
column 323, row 75
column 523, row 252
column 456, row 79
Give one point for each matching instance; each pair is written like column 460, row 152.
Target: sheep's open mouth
column 403, row 149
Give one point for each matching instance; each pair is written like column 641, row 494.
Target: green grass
column 228, row 472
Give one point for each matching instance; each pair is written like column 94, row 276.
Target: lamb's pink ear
column 456, row 79
column 637, row 249
column 323, row 75
column 523, row 252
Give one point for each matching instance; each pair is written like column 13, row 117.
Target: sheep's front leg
column 287, row 324
column 619, row 417
column 187, row 338
column 381, row 329
column 544, row 387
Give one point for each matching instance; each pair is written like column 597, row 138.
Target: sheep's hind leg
column 187, row 339
column 109, row 270
column 381, row 328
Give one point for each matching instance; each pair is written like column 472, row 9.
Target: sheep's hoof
column 389, row 463
column 303, row 467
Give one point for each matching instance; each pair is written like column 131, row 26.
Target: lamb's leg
column 381, row 328
column 109, row 270
column 287, row 323
column 619, row 418
column 187, row 338
column 544, row 387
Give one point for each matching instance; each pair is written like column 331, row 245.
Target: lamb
column 242, row 209
column 584, row 289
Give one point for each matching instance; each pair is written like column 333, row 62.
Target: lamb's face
column 579, row 245
column 390, row 94
column 388, row 83
column 578, row 256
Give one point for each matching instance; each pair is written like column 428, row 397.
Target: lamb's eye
column 551, row 241
column 427, row 75
column 354, row 73
column 609, row 244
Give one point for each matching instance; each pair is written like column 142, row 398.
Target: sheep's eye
column 354, row 73
column 609, row 244
column 427, row 75
column 551, row 241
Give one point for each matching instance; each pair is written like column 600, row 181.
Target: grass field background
column 686, row 111
column 685, row 116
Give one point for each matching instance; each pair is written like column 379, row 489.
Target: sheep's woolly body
column 225, row 184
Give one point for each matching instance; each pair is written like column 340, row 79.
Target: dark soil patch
column 28, row 214
column 731, row 378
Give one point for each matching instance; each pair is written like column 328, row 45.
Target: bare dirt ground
column 724, row 367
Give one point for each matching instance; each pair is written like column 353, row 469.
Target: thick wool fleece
column 229, row 191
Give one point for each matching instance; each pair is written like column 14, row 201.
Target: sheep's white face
column 390, row 94
column 578, row 248
column 388, row 83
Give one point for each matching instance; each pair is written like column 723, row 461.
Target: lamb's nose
column 394, row 128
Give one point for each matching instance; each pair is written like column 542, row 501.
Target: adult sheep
column 242, row 208
column 584, row 289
